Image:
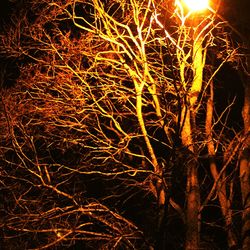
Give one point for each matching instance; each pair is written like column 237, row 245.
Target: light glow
column 196, row 5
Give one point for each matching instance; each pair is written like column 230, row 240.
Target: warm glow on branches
column 112, row 129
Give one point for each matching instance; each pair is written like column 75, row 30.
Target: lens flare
column 196, row 5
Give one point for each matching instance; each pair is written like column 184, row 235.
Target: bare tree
column 113, row 92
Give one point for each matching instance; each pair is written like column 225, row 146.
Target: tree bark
column 245, row 169
column 245, row 190
column 193, row 205
column 192, row 188
column 188, row 130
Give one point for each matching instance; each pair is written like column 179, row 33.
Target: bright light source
column 196, row 5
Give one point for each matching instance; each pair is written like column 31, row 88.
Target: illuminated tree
column 244, row 154
column 114, row 104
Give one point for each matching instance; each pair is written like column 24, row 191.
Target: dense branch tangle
column 108, row 90
column 130, row 42
column 104, row 73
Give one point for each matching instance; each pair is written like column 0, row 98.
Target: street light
column 196, row 5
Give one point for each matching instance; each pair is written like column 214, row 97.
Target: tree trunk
column 193, row 206
column 192, row 188
column 245, row 190
column 245, row 170
column 188, row 118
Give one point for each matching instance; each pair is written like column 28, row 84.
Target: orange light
column 196, row 5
